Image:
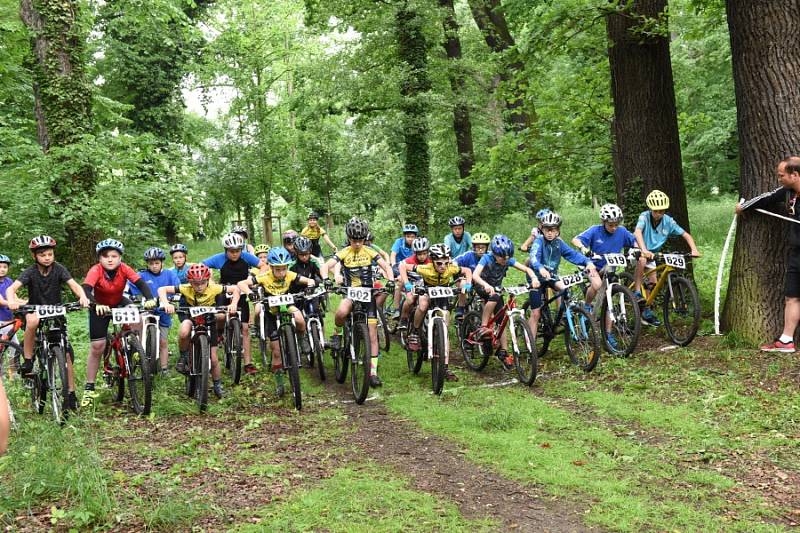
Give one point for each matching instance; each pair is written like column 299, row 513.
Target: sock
column 217, row 382
column 786, row 339
column 279, row 377
column 89, row 385
column 373, row 366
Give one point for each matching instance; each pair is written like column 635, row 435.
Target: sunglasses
column 441, row 263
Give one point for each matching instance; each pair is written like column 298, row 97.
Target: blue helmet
column 279, row 256
column 178, row 248
column 154, row 253
column 502, row 246
column 542, row 212
column 411, row 228
column 5, row 259
column 109, row 244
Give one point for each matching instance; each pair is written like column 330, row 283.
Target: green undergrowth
column 364, row 498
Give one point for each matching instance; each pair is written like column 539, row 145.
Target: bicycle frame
column 149, row 319
column 437, row 313
column 663, row 277
column 505, row 314
column 564, row 311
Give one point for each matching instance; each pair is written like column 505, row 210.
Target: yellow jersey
column 206, row 298
column 357, row 265
column 314, row 234
column 432, row 278
column 274, row 286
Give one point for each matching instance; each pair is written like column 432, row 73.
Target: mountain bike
column 10, row 349
column 434, row 342
column 578, row 326
column 616, row 308
column 677, row 294
column 233, row 345
column 204, row 325
column 355, row 348
column 50, row 358
column 129, row 364
column 316, row 334
column 476, row 350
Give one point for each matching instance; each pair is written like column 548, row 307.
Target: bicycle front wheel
column 524, row 346
column 139, row 383
column 152, row 348
column 57, row 382
column 438, row 360
column 319, row 349
column 359, row 374
column 475, row 351
column 620, row 334
column 681, row 310
column 202, row 355
column 580, row 338
column 291, row 363
column 234, row 347
column 341, row 357
column 384, row 339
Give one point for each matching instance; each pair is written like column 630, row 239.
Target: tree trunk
column 413, row 52
column 63, row 108
column 646, row 147
column 267, row 191
column 462, row 125
column 766, row 66
column 248, row 219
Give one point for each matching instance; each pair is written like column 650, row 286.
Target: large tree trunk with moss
column 462, row 125
column 646, row 146
column 63, row 107
column 766, row 67
column 413, row 52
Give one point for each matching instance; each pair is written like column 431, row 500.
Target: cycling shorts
column 98, row 325
column 480, row 291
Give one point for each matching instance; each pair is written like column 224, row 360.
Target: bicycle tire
column 151, row 350
column 319, row 349
column 414, row 359
column 581, row 339
column 264, row 345
column 201, row 380
column 526, row 360
column 189, row 381
column 57, row 382
column 139, row 382
column 360, row 371
column 545, row 332
column 437, row 361
column 677, row 314
column 384, row 337
column 476, row 355
column 38, row 393
column 116, row 378
column 341, row 357
column 9, row 351
column 234, row 344
column 626, row 332
column 292, row 363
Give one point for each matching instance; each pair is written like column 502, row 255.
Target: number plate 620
column 359, row 294
column 675, row 261
column 570, row 280
column 125, row 315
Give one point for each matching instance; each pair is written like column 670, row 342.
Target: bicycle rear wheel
column 475, row 351
column 681, row 310
column 151, row 350
column 580, row 338
column 384, row 338
column 291, row 363
column 202, row 355
column 414, row 359
column 234, row 348
column 319, row 349
column 524, row 347
column 139, row 383
column 341, row 357
column 57, row 383
column 359, row 374
column 117, row 382
column 438, row 362
column 38, row 392
column 627, row 324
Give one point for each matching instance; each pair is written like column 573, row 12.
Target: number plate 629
column 675, row 261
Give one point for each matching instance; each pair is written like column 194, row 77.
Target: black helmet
column 302, row 244
column 313, row 214
column 356, row 229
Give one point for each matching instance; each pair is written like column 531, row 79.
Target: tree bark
column 413, row 52
column 63, row 109
column 462, row 125
column 766, row 65
column 646, row 146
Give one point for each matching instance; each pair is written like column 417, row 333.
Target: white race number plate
column 675, row 260
column 615, row 260
column 359, row 294
column 518, row 290
column 440, row 292
column 197, row 311
column 281, row 299
column 50, row 311
column 125, row 315
column 570, row 280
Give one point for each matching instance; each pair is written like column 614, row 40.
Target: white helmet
column 550, row 220
column 420, row 244
column 233, row 241
column 610, row 213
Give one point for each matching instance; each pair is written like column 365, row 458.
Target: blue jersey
column 548, row 254
column 181, row 273
column 399, row 247
column 493, row 272
column 599, row 241
column 458, row 248
column 468, row 259
column 232, row 272
column 656, row 236
column 5, row 312
column 167, row 278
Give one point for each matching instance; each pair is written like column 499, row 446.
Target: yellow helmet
column 481, row 238
column 261, row 249
column 657, row 200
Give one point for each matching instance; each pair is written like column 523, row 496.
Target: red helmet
column 42, row 241
column 198, row 272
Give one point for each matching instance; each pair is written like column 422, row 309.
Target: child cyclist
column 653, row 229
column 261, row 251
column 458, row 240
column 233, row 265
column 489, row 274
column 470, row 260
column 156, row 277
column 440, row 273
column 420, row 247
column 242, row 231
column 280, row 280
column 44, row 281
column 179, row 253
column 353, row 267
column 401, row 249
column 307, row 265
column 536, row 230
column 200, row 291
column 104, row 285
column 545, row 257
column 5, row 282
column 314, row 232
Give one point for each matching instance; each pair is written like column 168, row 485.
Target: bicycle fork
column 434, row 316
column 513, row 331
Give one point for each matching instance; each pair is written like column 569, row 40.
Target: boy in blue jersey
column 401, row 250
column 179, row 254
column 489, row 273
column 459, row 240
column 607, row 238
column 157, row 276
column 653, row 229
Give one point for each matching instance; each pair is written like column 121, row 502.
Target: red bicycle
column 10, row 349
column 476, row 349
column 129, row 364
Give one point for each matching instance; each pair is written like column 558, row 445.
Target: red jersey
column 413, row 260
column 107, row 290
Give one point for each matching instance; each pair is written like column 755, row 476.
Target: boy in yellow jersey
column 200, row 291
column 280, row 280
column 353, row 267
column 441, row 272
column 314, row 232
